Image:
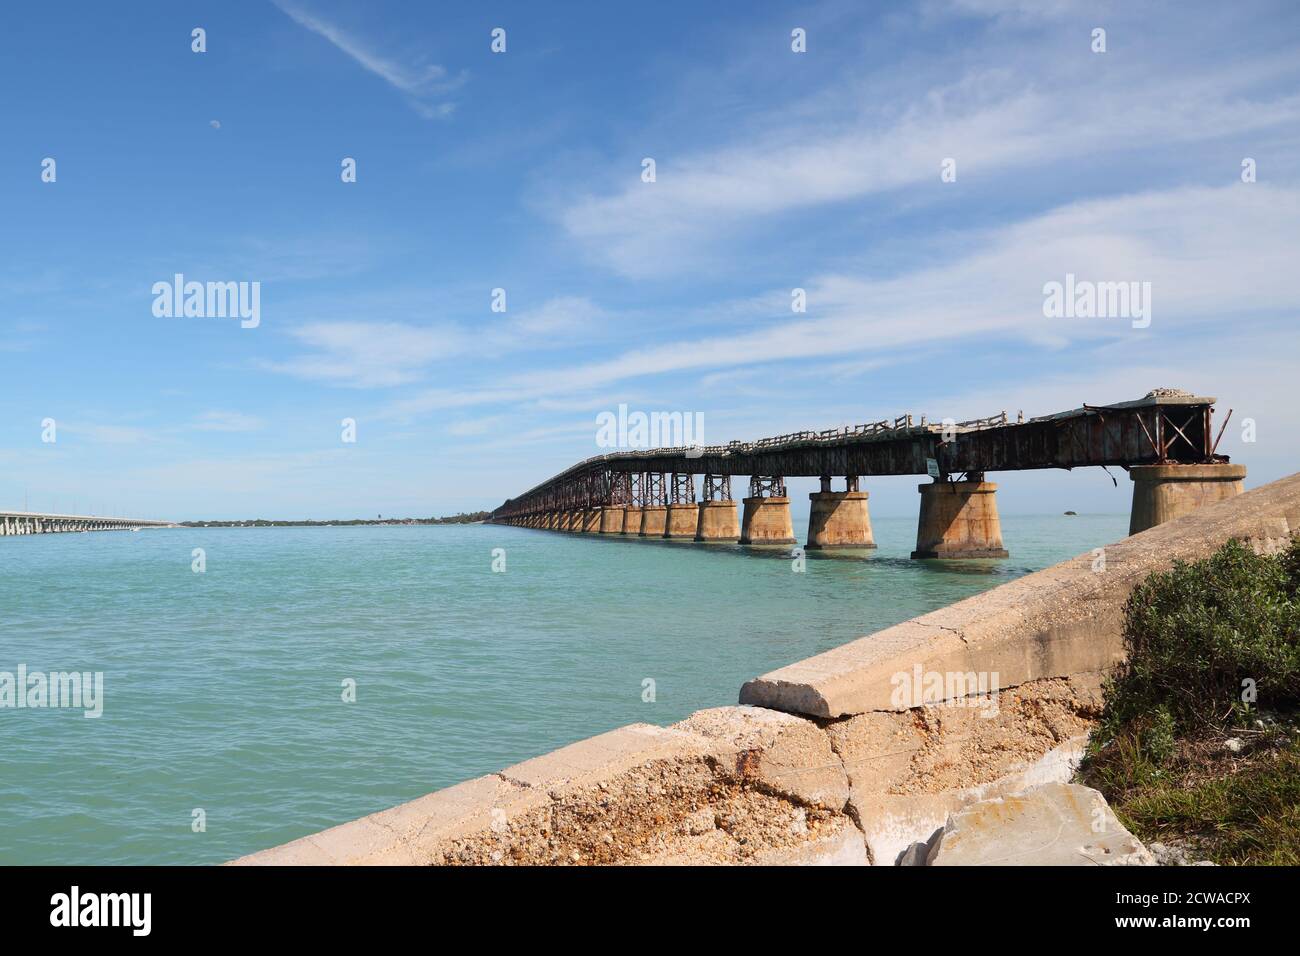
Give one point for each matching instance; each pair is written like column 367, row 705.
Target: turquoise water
column 222, row 690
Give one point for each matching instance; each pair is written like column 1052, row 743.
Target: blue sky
column 522, row 171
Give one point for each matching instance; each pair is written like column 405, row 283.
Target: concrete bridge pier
column 632, row 519
column 613, row 513
column 766, row 519
column 635, row 486
column 570, row 520
column 591, row 521
column 959, row 519
column 654, row 518
column 611, row 519
column 680, row 520
column 839, row 519
column 683, row 514
column 1164, row 492
column 654, row 513
column 716, row 521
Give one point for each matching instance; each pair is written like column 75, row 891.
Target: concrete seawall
column 844, row 758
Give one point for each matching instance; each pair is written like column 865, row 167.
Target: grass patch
column 1249, row 814
column 1213, row 655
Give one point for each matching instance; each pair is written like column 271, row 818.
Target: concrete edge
column 1062, row 620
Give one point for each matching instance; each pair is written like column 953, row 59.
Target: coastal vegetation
column 1199, row 742
column 469, row 518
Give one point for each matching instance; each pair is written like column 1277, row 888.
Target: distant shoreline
column 476, row 517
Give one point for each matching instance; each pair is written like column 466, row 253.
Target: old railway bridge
column 1164, row 441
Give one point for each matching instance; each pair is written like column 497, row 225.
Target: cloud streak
column 989, row 121
column 384, row 354
column 425, row 85
column 1208, row 253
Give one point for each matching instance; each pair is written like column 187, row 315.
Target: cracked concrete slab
column 1057, row 824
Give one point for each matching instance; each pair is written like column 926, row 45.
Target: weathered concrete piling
column 839, row 519
column 1164, row 492
column 632, row 520
column 653, row 520
column 766, row 518
column 611, row 519
column 682, row 517
column 767, row 521
column 959, row 519
column 716, row 522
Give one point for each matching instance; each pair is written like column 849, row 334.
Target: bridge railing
column 881, row 430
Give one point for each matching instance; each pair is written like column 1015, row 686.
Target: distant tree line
column 469, row 518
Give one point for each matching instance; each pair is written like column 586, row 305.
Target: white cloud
column 382, row 354
column 1208, row 253
column 426, row 85
column 368, row 354
column 990, row 121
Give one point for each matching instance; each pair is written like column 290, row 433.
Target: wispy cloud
column 1208, row 253
column 425, row 85
column 1016, row 9
column 101, row 434
column 384, row 354
column 368, row 354
column 988, row 120
column 226, row 421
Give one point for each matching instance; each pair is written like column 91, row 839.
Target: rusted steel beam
column 1120, row 435
column 683, row 489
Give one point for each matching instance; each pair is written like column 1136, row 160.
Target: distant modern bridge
column 31, row 522
column 1165, row 441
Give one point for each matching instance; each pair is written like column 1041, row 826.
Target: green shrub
column 1197, row 634
column 1194, row 634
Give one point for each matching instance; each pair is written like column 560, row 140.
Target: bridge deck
column 38, row 522
column 1164, row 427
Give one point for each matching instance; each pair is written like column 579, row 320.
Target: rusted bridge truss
column 1165, row 427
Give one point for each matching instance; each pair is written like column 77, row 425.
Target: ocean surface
column 223, row 690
